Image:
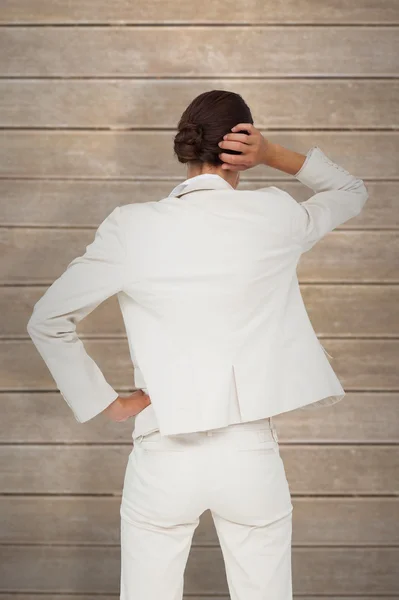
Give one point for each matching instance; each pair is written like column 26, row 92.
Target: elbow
column 46, row 329
column 33, row 327
column 38, row 328
column 364, row 193
column 35, row 323
column 361, row 195
column 30, row 326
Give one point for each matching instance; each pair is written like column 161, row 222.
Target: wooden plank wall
column 90, row 94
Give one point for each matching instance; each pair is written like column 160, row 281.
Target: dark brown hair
column 204, row 123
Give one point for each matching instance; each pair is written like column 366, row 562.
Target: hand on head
column 252, row 146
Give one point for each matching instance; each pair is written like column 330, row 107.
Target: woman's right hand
column 254, row 147
column 257, row 150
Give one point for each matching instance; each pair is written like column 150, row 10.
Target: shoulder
column 279, row 194
column 135, row 218
column 134, row 209
column 271, row 197
column 133, row 213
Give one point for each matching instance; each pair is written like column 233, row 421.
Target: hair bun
column 193, row 132
column 188, row 140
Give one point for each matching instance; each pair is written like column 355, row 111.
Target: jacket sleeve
column 87, row 281
column 338, row 197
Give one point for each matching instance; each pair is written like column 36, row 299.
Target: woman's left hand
column 123, row 408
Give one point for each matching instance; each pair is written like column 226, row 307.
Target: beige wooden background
column 90, row 94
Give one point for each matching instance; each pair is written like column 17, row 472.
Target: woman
column 220, row 341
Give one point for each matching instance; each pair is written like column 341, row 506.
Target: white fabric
column 206, row 280
column 237, row 473
column 194, row 180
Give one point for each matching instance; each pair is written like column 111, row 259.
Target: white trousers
column 237, row 473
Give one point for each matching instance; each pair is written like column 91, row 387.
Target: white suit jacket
column 207, row 285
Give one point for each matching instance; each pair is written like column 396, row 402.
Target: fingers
column 238, row 142
column 229, row 145
column 247, row 126
column 238, row 137
column 232, row 162
column 231, row 159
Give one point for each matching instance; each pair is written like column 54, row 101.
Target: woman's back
column 212, row 305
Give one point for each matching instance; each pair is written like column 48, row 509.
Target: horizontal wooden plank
column 345, row 521
column 40, row 255
column 351, row 310
column 64, row 203
column 130, row 154
column 355, row 256
column 359, row 571
column 337, row 470
column 333, row 310
column 121, row 103
column 365, row 365
column 95, row 520
column 313, row 469
column 232, row 11
column 359, row 418
column 56, row 596
column 200, row 51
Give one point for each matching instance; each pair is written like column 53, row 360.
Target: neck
column 194, row 169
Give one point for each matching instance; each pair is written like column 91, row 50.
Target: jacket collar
column 205, row 181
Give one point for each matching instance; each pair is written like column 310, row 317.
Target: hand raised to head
column 253, row 147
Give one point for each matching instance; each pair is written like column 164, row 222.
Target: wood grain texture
column 352, row 310
column 358, row 418
column 356, row 256
column 39, row 256
column 56, row 596
column 333, row 310
column 200, row 51
column 64, row 569
column 117, row 154
column 366, row 365
column 44, row 417
column 232, row 11
column 127, row 103
column 74, row 203
column 313, row 73
column 95, row 521
column 311, row 469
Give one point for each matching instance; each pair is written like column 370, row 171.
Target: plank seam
column 341, row 76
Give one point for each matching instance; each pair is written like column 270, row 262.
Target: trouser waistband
column 258, row 424
column 243, row 428
column 264, row 423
